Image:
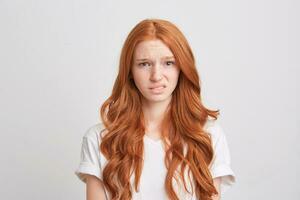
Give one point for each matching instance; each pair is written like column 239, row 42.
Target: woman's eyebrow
column 141, row 59
column 166, row 57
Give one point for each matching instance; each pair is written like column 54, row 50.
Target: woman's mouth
column 157, row 90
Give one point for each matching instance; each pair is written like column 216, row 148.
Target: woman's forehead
column 152, row 48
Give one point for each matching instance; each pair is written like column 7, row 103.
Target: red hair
column 182, row 125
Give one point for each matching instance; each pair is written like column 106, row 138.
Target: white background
column 59, row 60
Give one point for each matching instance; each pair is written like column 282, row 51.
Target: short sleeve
column 90, row 159
column 221, row 163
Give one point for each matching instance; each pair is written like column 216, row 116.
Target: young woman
column 156, row 140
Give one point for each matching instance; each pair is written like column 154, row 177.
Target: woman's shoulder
column 213, row 127
column 94, row 131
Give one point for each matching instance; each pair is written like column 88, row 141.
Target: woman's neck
column 154, row 113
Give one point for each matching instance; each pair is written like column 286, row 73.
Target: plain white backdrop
column 59, row 59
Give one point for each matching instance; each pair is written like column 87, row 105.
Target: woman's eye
column 170, row 62
column 144, row 64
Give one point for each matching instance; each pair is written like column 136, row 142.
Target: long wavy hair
column 182, row 125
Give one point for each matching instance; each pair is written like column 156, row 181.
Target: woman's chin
column 157, row 98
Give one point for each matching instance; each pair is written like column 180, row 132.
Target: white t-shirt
column 154, row 171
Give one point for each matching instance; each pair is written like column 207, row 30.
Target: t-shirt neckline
column 151, row 139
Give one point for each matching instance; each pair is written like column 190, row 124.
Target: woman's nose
column 156, row 73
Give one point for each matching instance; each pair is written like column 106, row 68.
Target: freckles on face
column 155, row 71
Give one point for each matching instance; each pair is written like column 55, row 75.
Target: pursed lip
column 157, row 86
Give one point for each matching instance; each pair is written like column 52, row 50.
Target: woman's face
column 154, row 70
